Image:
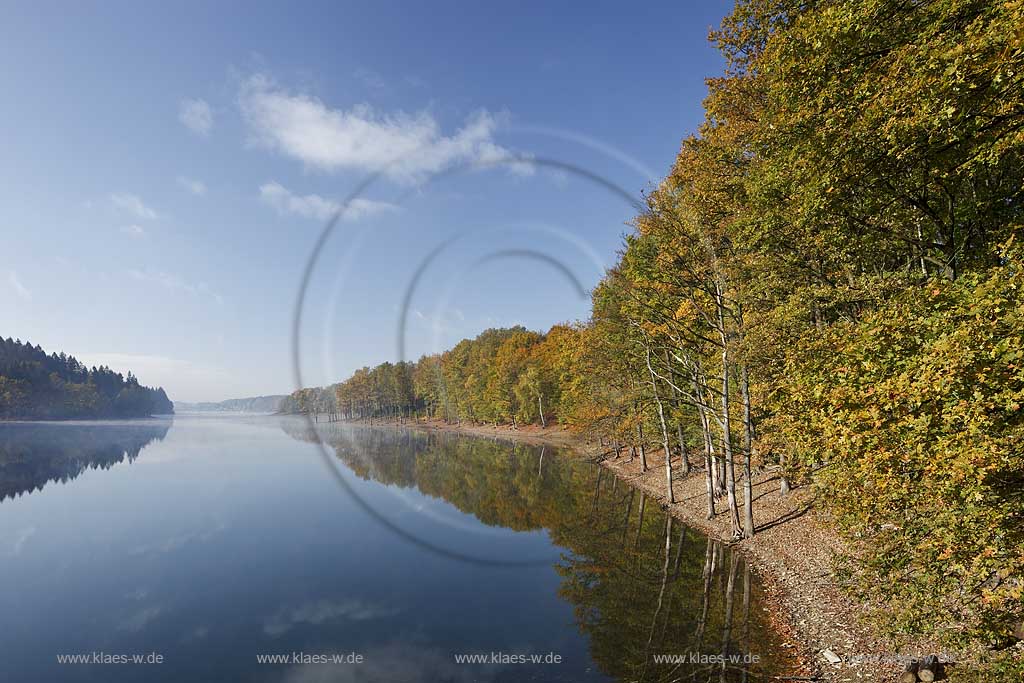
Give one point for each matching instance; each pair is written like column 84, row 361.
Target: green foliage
column 917, row 412
column 501, row 376
column 34, row 385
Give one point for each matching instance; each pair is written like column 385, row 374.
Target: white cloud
column 402, row 145
column 133, row 230
column 133, row 204
column 194, row 186
column 197, row 116
column 20, row 289
column 315, row 206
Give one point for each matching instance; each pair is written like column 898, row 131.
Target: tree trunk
column 540, row 407
column 746, row 614
column 664, row 581
column 629, row 510
column 730, row 465
column 684, row 456
column 709, row 480
column 640, row 522
column 709, row 571
column 748, row 445
column 684, row 460
column 664, row 432
column 709, row 455
column 640, row 446
column 730, row 588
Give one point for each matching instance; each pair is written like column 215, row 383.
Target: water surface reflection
column 642, row 585
column 217, row 541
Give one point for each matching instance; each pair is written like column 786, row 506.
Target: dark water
column 213, row 541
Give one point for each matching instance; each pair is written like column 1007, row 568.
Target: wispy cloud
column 196, row 115
column 21, row 539
column 315, row 206
column 402, row 145
column 173, row 282
column 402, row 660
column 196, row 187
column 445, row 322
column 179, row 541
column 19, row 289
column 133, row 204
column 139, row 620
column 370, row 78
column 133, row 230
column 323, row 611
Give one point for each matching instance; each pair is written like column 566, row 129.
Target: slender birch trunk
column 664, row 430
column 684, row 459
column 730, row 465
column 709, row 455
column 748, row 445
column 640, row 445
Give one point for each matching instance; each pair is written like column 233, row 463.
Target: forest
column 38, row 386
column 828, row 281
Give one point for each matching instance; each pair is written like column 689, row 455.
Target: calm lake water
column 212, row 542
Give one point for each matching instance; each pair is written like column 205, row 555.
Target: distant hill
column 253, row 404
column 35, row 385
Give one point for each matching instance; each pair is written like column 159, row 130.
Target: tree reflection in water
column 639, row 588
column 33, row 454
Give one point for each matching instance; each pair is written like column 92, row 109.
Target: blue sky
column 167, row 168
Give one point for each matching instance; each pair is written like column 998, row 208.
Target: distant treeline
column 503, row 376
column 252, row 404
column 37, row 386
